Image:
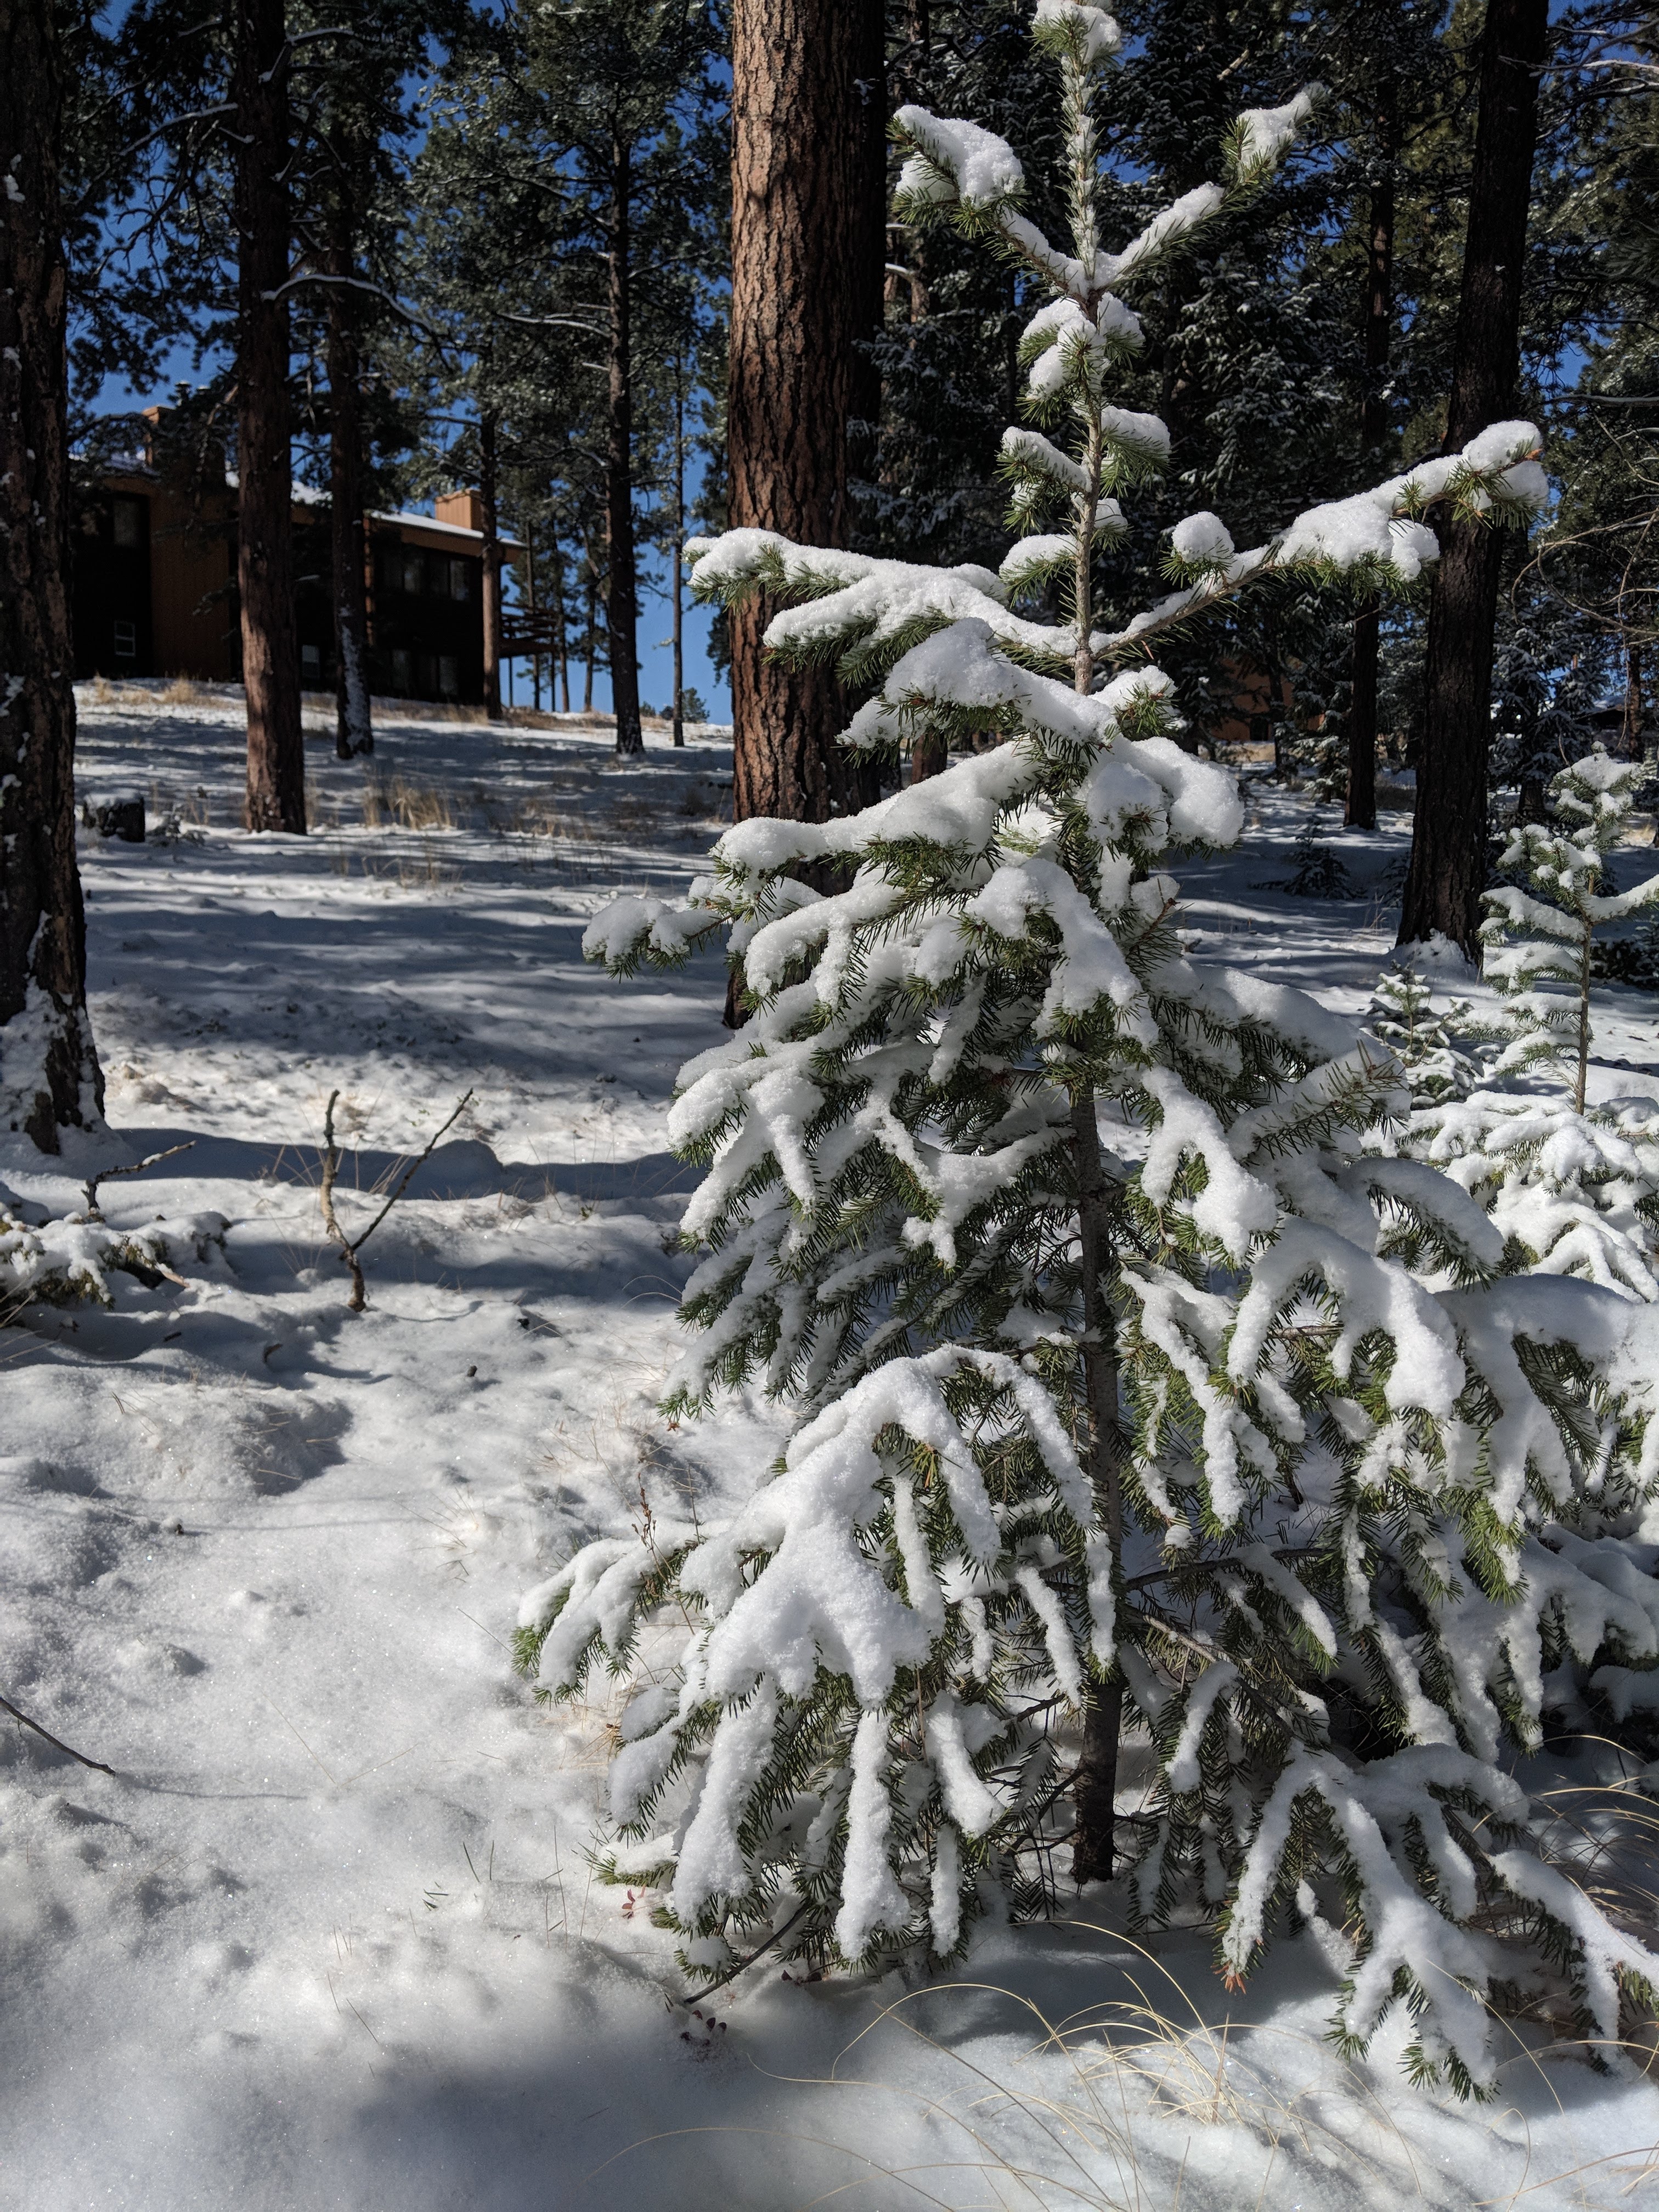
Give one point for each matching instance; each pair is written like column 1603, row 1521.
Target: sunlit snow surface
column 330, row 1940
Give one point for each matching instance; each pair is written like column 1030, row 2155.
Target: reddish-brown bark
column 49, row 1075
column 265, row 537
column 1447, row 870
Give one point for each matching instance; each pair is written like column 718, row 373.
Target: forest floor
column 328, row 1938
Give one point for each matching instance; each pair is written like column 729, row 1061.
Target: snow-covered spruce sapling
column 1139, row 1406
column 1572, row 1189
column 1424, row 1041
column 1540, row 939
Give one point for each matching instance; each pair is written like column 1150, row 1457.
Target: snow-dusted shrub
column 1137, row 1399
column 64, row 1261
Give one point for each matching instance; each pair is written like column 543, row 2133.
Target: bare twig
column 96, row 1764
column 351, row 1246
column 107, row 1174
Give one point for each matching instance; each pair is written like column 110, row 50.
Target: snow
column 984, row 167
column 1203, row 539
column 1096, row 33
column 329, row 1939
column 1266, row 133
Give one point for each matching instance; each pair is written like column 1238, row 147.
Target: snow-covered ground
column 328, row 1938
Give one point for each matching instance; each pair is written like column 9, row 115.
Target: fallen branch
column 96, row 1764
column 351, row 1246
column 107, row 1174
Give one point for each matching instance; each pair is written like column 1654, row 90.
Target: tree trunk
column 794, row 288
column 560, row 668
column 530, row 595
column 492, row 565
column 1095, row 1789
column 621, row 614
column 264, row 543
column 1447, row 870
column 1633, row 708
column 677, row 638
column 49, row 1074
column 592, row 637
column 354, row 730
column 1361, row 807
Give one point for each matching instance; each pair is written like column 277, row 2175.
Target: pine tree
column 1541, row 939
column 1424, row 1043
column 1148, row 1421
column 1573, row 1190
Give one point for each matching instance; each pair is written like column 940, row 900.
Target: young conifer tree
column 1572, row 1187
column 1145, row 1418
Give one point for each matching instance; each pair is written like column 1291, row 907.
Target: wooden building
column 155, row 587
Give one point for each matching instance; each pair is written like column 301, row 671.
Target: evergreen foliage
column 1424, row 1043
column 1572, row 1189
column 1131, row 1382
column 1542, row 937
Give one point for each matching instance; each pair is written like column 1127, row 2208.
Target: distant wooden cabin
column 155, row 587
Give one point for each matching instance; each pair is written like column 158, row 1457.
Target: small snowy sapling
column 1541, row 939
column 1151, row 1431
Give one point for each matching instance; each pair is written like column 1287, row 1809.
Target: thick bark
column 529, row 597
column 490, row 531
column 1378, row 314
column 354, row 731
column 620, row 613
column 265, row 552
column 676, row 639
column 1634, row 711
column 1447, row 868
column 561, row 667
column 1094, row 1789
column 593, row 635
column 49, row 1075
column 794, row 288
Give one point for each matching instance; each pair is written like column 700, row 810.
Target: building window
column 414, row 573
column 400, row 671
column 311, row 662
column 127, row 523
column 391, row 568
column 449, row 674
column 426, row 675
column 126, row 641
column 460, row 579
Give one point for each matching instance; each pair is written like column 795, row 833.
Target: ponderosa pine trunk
column 354, row 731
column 1447, row 869
column 489, row 526
column 49, row 1074
column 1378, row 316
column 591, row 640
column 676, row 636
column 621, row 613
column 794, row 226
column 264, row 548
